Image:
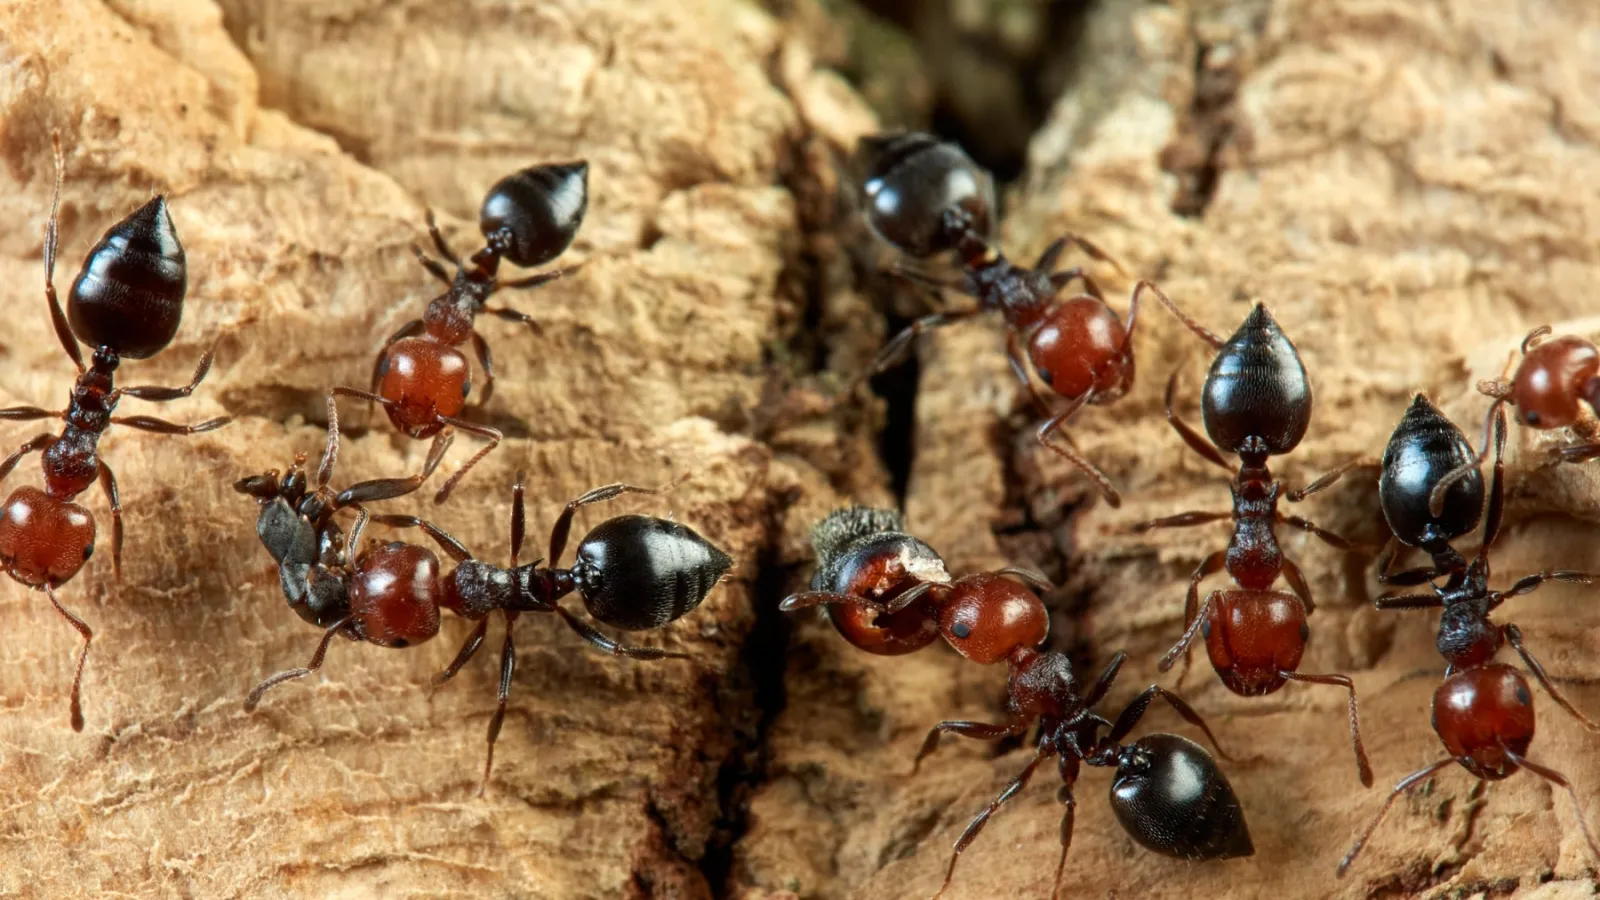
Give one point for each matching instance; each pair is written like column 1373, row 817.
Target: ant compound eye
column 1530, row 418
column 961, row 630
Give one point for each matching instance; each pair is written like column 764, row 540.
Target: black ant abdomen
column 1257, row 398
column 129, row 294
column 640, row 572
column 1424, row 448
column 923, row 194
column 530, row 217
column 1171, row 797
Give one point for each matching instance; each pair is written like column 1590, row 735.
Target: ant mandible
column 1168, row 795
column 126, row 303
column 926, row 197
column 420, row 378
column 632, row 572
column 1483, row 711
column 1256, row 403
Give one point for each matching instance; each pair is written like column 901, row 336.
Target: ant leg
column 1061, row 279
column 563, row 526
column 492, row 434
column 1199, row 331
column 533, row 281
column 467, row 651
column 807, row 599
column 409, row 329
column 1514, row 638
column 519, row 519
column 1019, row 368
column 108, row 483
column 1393, row 600
column 1181, row 520
column 83, row 655
column 34, row 445
column 511, row 315
column 1554, row 777
column 1195, row 623
column 900, row 269
column 1211, row 565
column 1328, row 478
column 439, row 243
column 1097, row 691
column 485, row 362
column 1406, row 784
column 1067, row 815
column 1579, row 453
column 1196, row 442
column 610, row 646
column 52, row 231
column 978, row 731
column 162, row 426
column 508, row 667
column 1047, row 259
column 1297, row 582
column 452, row 547
column 28, row 414
column 158, row 394
column 433, row 266
column 1032, row 579
column 982, row 819
column 894, row 352
column 1054, row 425
column 1135, row 710
column 1328, row 537
column 1530, row 583
column 1494, row 420
column 1363, row 768
column 1407, row 578
column 254, row 699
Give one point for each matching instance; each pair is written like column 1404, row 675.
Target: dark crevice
column 1209, row 125
column 763, row 659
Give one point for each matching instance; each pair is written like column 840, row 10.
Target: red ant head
column 1553, row 380
column 865, row 552
column 1081, row 346
column 1482, row 712
column 129, row 294
column 1257, row 398
column 922, row 193
column 394, row 595
column 988, row 618
column 44, row 539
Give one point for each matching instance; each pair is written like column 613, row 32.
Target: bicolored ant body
column 126, row 303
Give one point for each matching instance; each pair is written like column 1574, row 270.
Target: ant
column 126, row 303
column 926, row 197
column 1168, row 795
column 420, row 378
column 1557, row 385
column 633, row 572
column 1483, row 711
column 1256, row 403
column 865, row 563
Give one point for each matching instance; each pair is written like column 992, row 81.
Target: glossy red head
column 863, row 552
column 425, row 379
column 395, row 594
column 1081, row 346
column 1551, row 380
column 989, row 617
column 43, row 539
column 1478, row 711
column 1253, row 636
